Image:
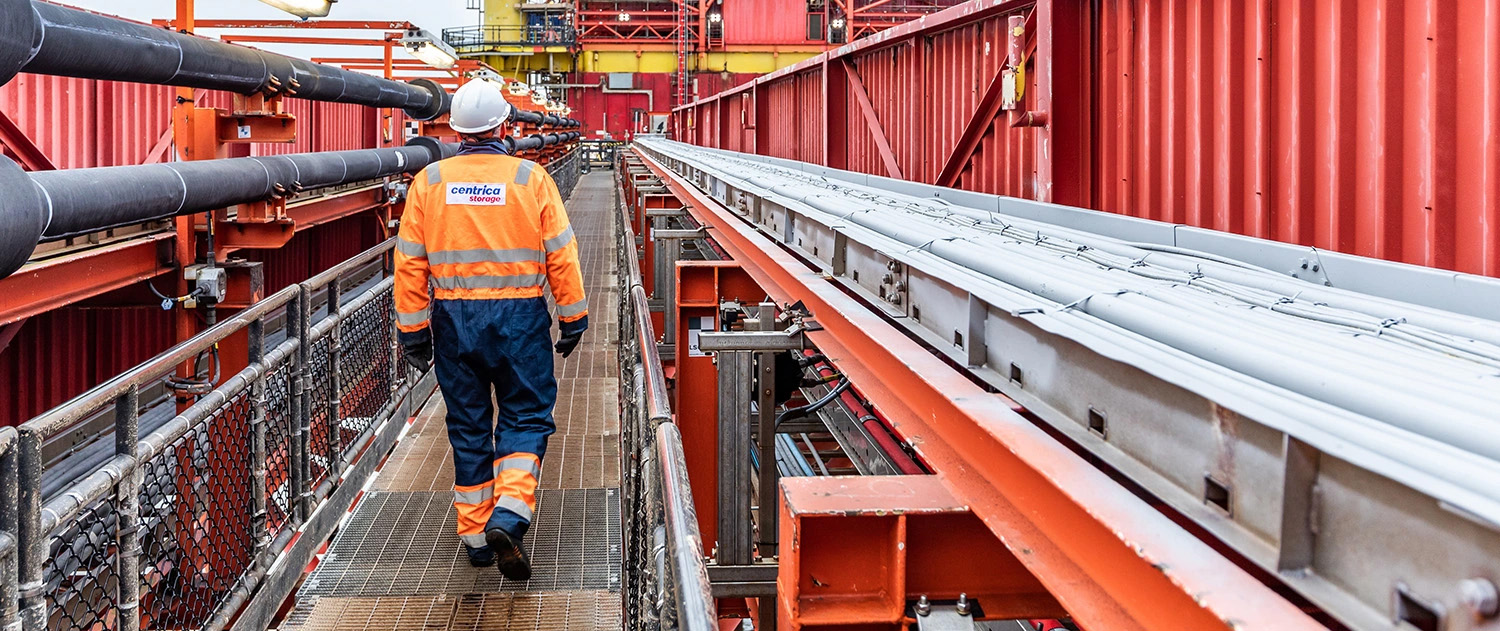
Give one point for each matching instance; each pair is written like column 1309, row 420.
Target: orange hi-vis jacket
column 485, row 227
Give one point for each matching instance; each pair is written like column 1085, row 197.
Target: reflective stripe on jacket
column 485, row 227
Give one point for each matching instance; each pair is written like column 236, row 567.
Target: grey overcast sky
column 433, row 15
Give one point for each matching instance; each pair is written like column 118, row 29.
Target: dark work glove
column 568, row 342
column 418, row 349
column 569, row 335
column 419, row 356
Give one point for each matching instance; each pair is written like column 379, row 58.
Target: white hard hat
column 478, row 106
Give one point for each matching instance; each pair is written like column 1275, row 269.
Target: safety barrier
column 199, row 509
column 666, row 576
column 566, row 171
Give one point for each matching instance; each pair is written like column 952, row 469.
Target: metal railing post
column 32, row 542
column 302, row 417
column 335, row 381
column 128, row 513
column 259, row 505
column 9, row 578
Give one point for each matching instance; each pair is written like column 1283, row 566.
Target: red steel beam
column 974, row 131
column 21, row 147
column 863, row 99
column 1111, row 560
column 368, row 60
column 287, row 39
column 58, row 282
column 300, row 24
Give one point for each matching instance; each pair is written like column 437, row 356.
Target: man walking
column 483, row 230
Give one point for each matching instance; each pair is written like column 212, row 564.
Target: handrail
column 694, row 597
column 683, row 573
column 254, row 436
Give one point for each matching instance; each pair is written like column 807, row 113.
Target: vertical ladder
column 682, row 54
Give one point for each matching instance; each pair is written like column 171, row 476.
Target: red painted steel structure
column 1372, row 129
column 84, row 315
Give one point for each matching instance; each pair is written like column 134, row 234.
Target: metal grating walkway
column 395, row 564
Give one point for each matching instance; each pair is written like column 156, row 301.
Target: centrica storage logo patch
column 476, row 194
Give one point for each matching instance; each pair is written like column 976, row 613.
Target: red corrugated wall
column 764, row 22
column 85, row 123
column 614, row 111
column 1364, row 126
column 81, row 123
column 59, row 354
column 1354, row 125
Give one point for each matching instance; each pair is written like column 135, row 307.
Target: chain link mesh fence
column 196, row 510
column 365, row 368
column 79, row 579
column 196, row 516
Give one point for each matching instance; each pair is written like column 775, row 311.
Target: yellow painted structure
column 515, row 61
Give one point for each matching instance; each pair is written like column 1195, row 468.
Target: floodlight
column 430, row 50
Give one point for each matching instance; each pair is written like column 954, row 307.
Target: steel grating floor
column 396, row 564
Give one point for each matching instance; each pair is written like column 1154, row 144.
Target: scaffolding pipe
column 50, row 205
column 42, row 38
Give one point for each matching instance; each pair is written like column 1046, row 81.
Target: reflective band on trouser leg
column 514, row 505
column 515, row 492
column 474, row 505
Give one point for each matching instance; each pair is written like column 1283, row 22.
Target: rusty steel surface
column 1109, row 558
column 1365, row 129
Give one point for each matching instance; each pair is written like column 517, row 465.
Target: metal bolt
column 1480, row 596
column 923, row 607
column 963, row 605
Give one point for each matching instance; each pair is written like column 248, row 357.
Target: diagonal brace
column 863, row 99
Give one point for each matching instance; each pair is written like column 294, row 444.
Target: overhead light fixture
column 624, row 17
column 430, row 50
column 303, row 8
column 837, row 23
column 715, row 17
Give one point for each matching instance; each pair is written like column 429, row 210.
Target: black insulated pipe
column 48, row 39
column 540, row 119
column 538, row 141
column 49, row 205
column 523, row 116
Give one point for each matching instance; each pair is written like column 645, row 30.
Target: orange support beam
column 859, row 550
column 63, row 280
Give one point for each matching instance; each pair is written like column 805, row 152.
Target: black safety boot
column 480, row 557
column 510, row 555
